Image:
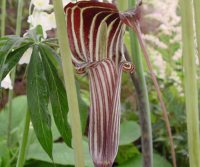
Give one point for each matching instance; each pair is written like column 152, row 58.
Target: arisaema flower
column 95, row 33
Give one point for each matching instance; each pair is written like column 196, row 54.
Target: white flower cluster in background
column 152, row 39
column 165, row 15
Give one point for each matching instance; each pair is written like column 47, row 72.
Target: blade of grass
column 144, row 113
column 191, row 91
column 69, row 83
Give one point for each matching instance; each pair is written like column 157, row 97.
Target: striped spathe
column 95, row 33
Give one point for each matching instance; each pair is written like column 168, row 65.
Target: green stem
column 197, row 23
column 22, row 151
column 191, row 91
column 69, row 83
column 3, row 17
column 142, row 92
column 162, row 104
column 10, row 94
column 10, row 109
column 19, row 16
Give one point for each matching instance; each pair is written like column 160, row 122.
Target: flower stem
column 159, row 94
column 69, row 83
column 191, row 91
column 141, row 89
column 3, row 17
column 22, row 151
column 197, row 23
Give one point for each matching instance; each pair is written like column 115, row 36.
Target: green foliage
column 137, row 162
column 13, row 58
column 19, row 104
column 7, row 156
column 38, row 96
column 43, row 82
column 8, row 44
column 62, row 154
column 125, row 153
column 130, row 131
column 58, row 95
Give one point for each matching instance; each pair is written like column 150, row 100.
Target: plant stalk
column 3, row 17
column 10, row 109
column 10, row 94
column 22, row 151
column 190, row 80
column 155, row 82
column 142, row 92
column 69, row 83
column 147, row 146
column 19, row 17
column 197, row 23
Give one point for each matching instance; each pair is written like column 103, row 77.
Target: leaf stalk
column 141, row 89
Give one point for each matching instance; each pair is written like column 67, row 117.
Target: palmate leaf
column 58, row 96
column 12, row 48
column 42, row 77
column 38, row 98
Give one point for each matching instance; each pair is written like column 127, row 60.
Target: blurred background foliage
column 162, row 32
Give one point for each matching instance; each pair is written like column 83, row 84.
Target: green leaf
column 9, row 44
column 4, row 154
column 129, row 132
column 58, row 96
column 36, row 34
column 137, row 162
column 19, row 105
column 62, row 154
column 52, row 56
column 126, row 152
column 13, row 58
column 84, row 108
column 38, row 97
